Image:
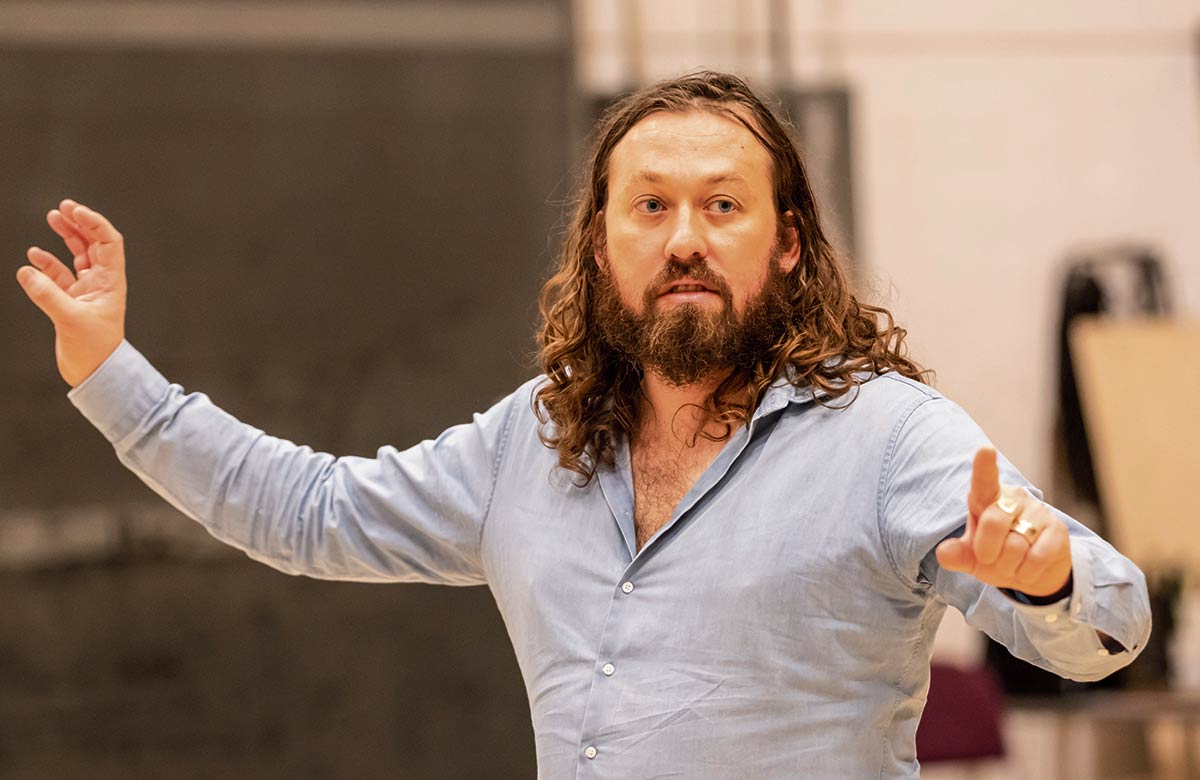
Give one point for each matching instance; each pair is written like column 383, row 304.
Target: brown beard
column 688, row 343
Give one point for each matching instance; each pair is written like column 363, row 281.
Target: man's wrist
column 1041, row 601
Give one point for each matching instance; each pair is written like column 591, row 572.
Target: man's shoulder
column 906, row 401
column 893, row 385
column 525, row 410
column 917, row 411
column 519, row 403
column 526, row 394
column 884, row 405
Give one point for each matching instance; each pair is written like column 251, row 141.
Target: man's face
column 691, row 271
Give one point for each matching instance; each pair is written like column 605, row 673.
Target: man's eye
column 724, row 205
column 651, row 206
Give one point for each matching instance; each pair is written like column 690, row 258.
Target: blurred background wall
column 338, row 216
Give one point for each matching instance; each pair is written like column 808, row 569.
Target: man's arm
column 404, row 516
column 415, row 515
column 924, row 501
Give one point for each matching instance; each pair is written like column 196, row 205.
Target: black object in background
column 1117, row 281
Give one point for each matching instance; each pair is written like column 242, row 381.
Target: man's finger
column 1047, row 550
column 106, row 246
column 45, row 294
column 68, row 231
column 66, row 209
column 95, row 226
column 985, row 481
column 993, row 527
column 51, row 266
column 1013, row 550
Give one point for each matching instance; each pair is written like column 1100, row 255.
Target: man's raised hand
column 88, row 309
column 994, row 551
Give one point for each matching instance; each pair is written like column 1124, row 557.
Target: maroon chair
column 962, row 718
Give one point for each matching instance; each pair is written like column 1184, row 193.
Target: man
column 721, row 528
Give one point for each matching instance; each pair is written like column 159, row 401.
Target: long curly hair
column 591, row 393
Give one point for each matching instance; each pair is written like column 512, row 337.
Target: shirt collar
column 783, row 392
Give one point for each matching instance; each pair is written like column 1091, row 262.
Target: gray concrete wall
column 340, row 247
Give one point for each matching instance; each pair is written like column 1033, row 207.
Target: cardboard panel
column 1139, row 384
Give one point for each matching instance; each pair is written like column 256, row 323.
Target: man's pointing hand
column 1012, row 539
column 88, row 310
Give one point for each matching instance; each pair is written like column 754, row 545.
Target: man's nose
column 686, row 241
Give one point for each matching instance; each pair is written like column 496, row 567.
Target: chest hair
column 662, row 476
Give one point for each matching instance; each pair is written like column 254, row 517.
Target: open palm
column 87, row 305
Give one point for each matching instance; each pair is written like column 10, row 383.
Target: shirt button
column 627, row 587
column 1102, row 651
column 590, row 752
column 1051, row 618
column 608, row 669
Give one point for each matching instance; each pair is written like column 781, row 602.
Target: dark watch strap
column 1042, row 601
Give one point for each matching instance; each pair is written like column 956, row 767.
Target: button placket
column 600, row 696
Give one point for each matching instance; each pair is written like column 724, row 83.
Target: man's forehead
column 652, row 176
column 699, row 143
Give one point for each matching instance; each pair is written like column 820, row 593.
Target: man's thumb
column 47, row 295
column 956, row 555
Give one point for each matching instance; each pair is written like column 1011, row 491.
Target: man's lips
column 686, row 289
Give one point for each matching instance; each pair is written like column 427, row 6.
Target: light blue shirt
column 778, row 626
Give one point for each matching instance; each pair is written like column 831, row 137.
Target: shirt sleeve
column 404, row 516
column 923, row 500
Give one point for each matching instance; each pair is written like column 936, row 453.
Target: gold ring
column 1008, row 502
column 1025, row 528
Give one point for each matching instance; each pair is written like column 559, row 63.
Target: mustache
column 698, row 270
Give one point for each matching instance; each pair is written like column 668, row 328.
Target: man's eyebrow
column 716, row 178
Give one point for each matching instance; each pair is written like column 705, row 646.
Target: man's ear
column 791, row 242
column 599, row 240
